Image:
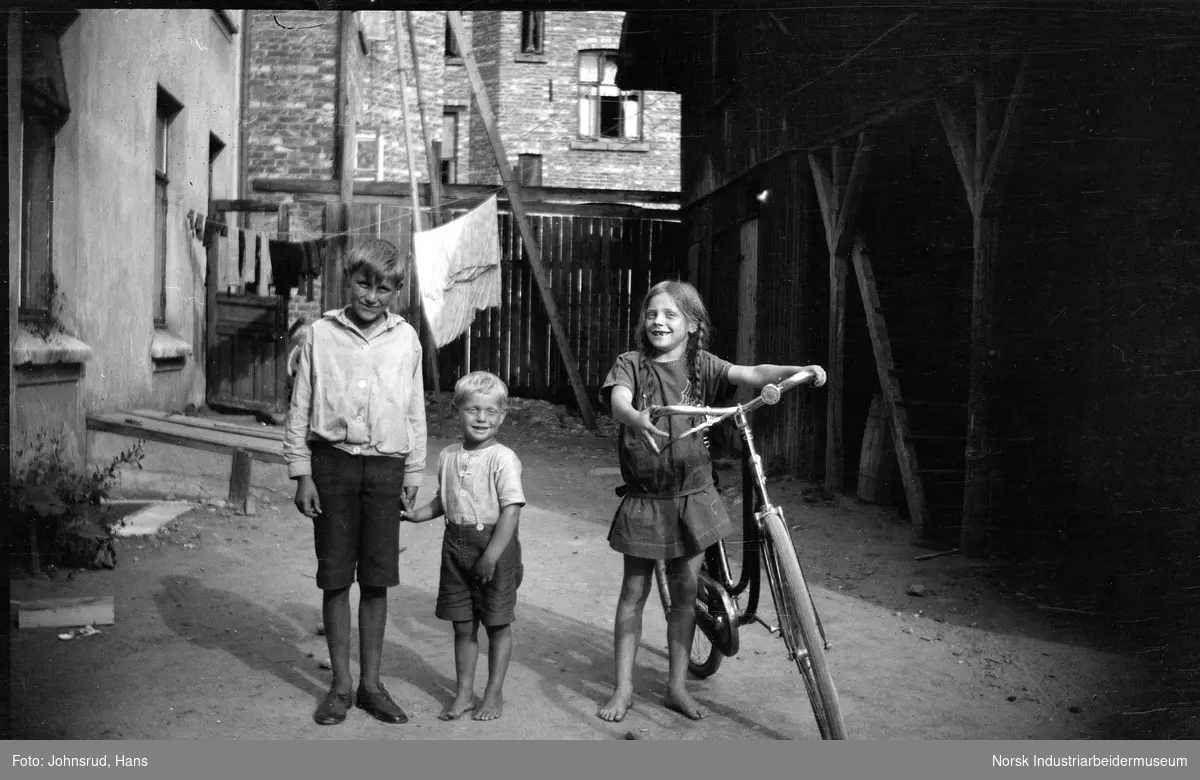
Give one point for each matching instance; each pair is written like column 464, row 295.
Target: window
column 452, row 48
column 37, row 205
column 529, row 170
column 44, row 108
column 532, row 26
column 606, row 112
column 450, row 147
column 167, row 109
column 368, row 156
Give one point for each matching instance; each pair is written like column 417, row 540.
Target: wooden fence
column 599, row 266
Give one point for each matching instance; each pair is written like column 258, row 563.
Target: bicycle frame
column 716, row 557
column 768, row 538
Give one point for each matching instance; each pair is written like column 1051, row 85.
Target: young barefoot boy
column 355, row 444
column 480, row 495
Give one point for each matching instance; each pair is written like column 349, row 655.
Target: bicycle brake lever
column 697, row 429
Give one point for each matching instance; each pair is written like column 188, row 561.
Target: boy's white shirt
column 363, row 394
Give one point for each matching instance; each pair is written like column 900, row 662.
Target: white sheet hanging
column 458, row 267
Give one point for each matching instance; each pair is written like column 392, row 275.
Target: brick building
column 549, row 76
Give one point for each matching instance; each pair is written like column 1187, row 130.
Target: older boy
column 480, row 495
column 355, row 445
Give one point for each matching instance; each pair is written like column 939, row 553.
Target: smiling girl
column 671, row 510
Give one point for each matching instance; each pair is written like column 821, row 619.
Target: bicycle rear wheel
column 705, row 657
column 798, row 625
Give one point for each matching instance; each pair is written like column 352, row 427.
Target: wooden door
column 246, row 344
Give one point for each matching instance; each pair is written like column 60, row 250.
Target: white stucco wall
column 114, row 61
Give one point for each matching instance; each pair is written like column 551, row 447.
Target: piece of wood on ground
column 66, row 611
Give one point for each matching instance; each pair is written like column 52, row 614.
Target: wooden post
column 838, row 194
column 518, row 210
column 337, row 220
column 983, row 165
column 240, row 497
column 282, row 230
column 430, row 345
column 345, row 129
column 431, row 158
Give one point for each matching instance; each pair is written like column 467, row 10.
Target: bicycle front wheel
column 798, row 624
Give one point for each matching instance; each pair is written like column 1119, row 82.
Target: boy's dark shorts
column 460, row 596
column 358, row 530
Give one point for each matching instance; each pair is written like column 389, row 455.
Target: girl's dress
column 671, row 508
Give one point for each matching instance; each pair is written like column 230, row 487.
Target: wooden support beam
column 881, row 345
column 518, row 210
column 283, row 229
column 982, row 157
column 337, row 221
column 458, row 192
column 245, row 205
column 426, row 332
column 431, row 160
column 346, row 121
column 839, row 192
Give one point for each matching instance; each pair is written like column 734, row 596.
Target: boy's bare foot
column 684, row 704
column 614, row 711
column 490, row 708
column 457, row 708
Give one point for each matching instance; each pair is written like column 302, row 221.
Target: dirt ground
column 216, row 632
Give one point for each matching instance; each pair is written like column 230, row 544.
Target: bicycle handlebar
column 769, row 396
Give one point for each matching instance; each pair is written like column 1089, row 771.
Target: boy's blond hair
column 379, row 258
column 483, row 382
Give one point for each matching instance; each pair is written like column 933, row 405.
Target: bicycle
column 718, row 614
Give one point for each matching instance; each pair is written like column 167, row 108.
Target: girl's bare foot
column 614, row 711
column 684, row 704
column 491, row 708
column 461, row 704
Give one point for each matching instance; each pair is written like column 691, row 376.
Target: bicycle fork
column 760, row 481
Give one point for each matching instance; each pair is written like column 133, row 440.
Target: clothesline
column 314, row 235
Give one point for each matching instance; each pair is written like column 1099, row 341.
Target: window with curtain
column 532, row 27
column 606, row 113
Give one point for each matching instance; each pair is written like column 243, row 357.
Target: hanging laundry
column 458, row 268
column 266, row 274
column 314, row 254
column 250, row 255
column 287, row 264
column 236, row 253
column 227, row 269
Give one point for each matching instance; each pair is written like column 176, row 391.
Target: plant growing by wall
column 63, row 504
column 48, row 326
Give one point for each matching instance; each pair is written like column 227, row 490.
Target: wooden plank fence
column 599, row 269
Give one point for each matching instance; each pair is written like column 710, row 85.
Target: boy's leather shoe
column 379, row 705
column 333, row 708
